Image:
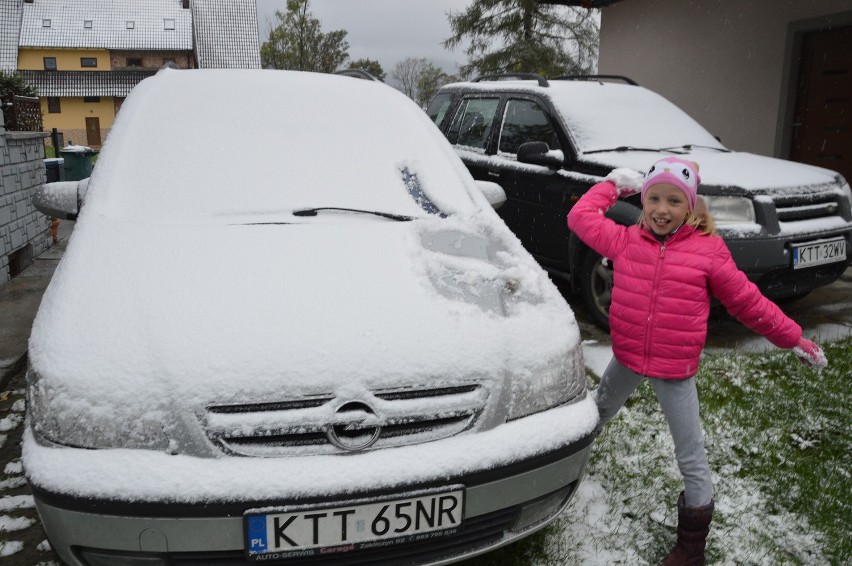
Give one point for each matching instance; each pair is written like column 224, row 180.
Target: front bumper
column 768, row 263
column 509, row 494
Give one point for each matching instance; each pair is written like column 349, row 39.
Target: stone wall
column 24, row 232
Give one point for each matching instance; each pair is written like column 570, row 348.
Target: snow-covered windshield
column 252, row 146
column 606, row 116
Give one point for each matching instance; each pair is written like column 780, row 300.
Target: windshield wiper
column 389, row 215
column 631, row 148
column 691, row 146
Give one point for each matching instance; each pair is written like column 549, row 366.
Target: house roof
column 10, row 22
column 86, row 83
column 226, row 34
column 93, row 24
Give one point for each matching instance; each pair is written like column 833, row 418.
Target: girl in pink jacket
column 665, row 270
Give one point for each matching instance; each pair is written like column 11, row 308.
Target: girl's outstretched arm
column 744, row 300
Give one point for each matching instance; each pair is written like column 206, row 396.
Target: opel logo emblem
column 354, row 427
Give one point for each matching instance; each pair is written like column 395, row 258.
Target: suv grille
column 791, row 208
column 327, row 425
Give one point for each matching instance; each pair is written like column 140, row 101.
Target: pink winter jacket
column 661, row 292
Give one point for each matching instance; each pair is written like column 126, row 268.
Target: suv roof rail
column 357, row 73
column 596, row 78
column 528, row 76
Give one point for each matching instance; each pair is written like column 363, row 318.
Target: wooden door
column 822, row 128
column 93, row 131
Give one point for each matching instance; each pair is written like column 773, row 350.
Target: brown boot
column 693, row 524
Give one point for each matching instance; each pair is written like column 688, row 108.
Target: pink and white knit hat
column 681, row 173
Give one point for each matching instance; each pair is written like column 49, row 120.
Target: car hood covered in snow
column 139, row 323
column 228, row 308
column 741, row 171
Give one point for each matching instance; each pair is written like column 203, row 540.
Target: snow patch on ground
column 10, row 547
column 11, row 422
column 9, row 524
column 10, row 502
column 597, row 356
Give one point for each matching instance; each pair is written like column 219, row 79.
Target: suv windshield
column 610, row 116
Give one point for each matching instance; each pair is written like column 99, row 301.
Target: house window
column 45, row 23
column 134, row 61
column 87, row 24
column 91, row 99
column 53, row 105
column 50, row 63
column 168, row 24
column 88, row 61
column 130, row 24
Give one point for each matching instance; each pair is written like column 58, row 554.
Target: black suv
column 546, row 142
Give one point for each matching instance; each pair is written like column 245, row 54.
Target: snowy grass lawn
column 778, row 439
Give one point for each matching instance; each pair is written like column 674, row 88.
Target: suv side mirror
column 539, row 153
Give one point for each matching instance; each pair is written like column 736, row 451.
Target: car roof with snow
column 615, row 124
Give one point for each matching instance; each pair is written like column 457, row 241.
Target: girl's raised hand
column 810, row 354
column 627, row 181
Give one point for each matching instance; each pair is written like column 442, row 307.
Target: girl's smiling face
column 664, row 209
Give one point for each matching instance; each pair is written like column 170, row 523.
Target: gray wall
column 21, row 171
column 729, row 63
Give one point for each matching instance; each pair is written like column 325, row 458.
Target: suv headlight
column 845, row 189
column 730, row 210
column 549, row 385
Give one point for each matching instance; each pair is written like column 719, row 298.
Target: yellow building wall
column 66, row 59
column 74, row 113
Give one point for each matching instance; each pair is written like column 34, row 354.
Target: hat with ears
column 681, row 173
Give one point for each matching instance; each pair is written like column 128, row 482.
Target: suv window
column 438, row 107
column 526, row 121
column 472, row 122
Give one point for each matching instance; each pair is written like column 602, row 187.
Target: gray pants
column 679, row 401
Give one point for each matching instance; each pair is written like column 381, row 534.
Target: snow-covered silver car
column 289, row 326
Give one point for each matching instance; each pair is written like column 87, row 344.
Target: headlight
column 730, row 210
column 844, row 188
column 549, row 385
column 60, row 417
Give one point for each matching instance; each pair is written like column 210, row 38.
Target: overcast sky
column 387, row 31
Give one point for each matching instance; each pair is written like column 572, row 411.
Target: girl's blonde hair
column 701, row 219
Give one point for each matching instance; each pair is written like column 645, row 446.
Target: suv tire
column 596, row 287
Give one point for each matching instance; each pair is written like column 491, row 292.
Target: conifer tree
column 525, row 36
column 297, row 42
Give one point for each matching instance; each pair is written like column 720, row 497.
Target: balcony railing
column 22, row 114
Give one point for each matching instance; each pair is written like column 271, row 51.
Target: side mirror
column 494, row 193
column 62, row 199
column 539, row 153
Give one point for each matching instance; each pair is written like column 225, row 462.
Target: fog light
column 106, row 558
column 543, row 508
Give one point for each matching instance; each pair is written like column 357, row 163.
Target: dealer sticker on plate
column 818, row 252
column 308, row 532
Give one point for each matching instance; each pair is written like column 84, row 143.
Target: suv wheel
column 596, row 287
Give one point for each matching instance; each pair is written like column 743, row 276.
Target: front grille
column 791, row 208
column 475, row 533
column 301, row 427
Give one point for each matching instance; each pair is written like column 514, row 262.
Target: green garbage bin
column 78, row 162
